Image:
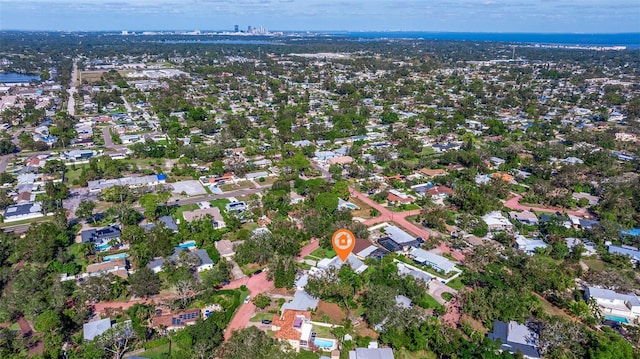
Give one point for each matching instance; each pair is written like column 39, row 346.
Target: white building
column 615, row 305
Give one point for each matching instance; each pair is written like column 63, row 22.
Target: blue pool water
column 187, row 244
column 103, row 247
column 324, row 343
column 616, row 319
column 115, row 256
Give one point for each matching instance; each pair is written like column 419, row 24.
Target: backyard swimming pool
column 325, row 344
column 187, row 244
column 622, row 320
column 103, row 247
column 115, row 256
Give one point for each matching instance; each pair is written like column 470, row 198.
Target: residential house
column 515, row 338
column 341, row 160
column 156, row 264
column 497, row 161
column 397, row 240
column 432, row 260
column 589, row 247
column 101, row 237
column 615, row 305
column 117, row 267
column 294, row 327
column 131, row 182
column 171, row 322
column 525, row 217
column 357, row 265
column 225, row 248
column 593, row 200
column 214, row 212
column 167, row 221
column 405, row 269
column 530, row 246
column 395, row 196
column 205, row 262
column 301, row 301
column 237, row 207
column 632, row 252
column 19, row 212
column 95, row 328
column 428, row 173
column 497, row 222
column 371, row 353
column 439, row 193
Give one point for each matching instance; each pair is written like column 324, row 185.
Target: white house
column 435, row 261
column 617, row 306
column 497, row 222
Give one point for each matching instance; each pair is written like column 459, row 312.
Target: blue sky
column 584, row 16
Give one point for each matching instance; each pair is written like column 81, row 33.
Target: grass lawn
column 323, row 332
column 456, row 284
column 267, row 181
column 25, row 221
column 595, row 264
column 323, row 253
column 186, row 207
column 550, row 308
column 261, row 316
column 221, row 203
column 404, row 207
column 236, row 186
column 405, row 354
column 430, row 302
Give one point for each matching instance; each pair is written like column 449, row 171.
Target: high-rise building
column 235, row 28
column 249, row 29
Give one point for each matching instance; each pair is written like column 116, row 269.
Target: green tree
column 48, row 321
column 261, row 301
column 85, row 209
column 144, row 282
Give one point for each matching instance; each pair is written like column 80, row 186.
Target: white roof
column 93, row 329
column 441, row 262
column 398, row 235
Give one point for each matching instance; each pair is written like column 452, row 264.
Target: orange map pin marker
column 343, row 242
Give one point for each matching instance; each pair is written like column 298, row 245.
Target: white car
column 247, row 299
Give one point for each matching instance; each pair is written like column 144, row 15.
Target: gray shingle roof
column 93, row 329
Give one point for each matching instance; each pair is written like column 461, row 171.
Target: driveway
column 436, row 289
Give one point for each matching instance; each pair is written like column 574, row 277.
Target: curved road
column 256, row 284
column 400, row 218
column 514, row 203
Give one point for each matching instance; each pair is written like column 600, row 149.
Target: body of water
column 630, row 40
column 12, row 77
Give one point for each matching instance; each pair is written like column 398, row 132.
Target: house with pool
column 296, row 328
column 102, row 238
column 618, row 307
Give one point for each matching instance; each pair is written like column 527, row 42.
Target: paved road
column 514, row 203
column 71, row 106
column 256, row 284
column 400, row 218
column 106, row 134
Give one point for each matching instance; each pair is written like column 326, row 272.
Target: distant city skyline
column 539, row 16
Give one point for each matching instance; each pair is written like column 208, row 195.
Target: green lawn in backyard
column 456, row 284
column 405, row 354
column 323, row 332
column 323, row 253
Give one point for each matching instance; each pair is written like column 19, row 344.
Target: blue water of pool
column 115, row 256
column 622, row 320
column 324, row 343
column 103, row 247
column 189, row 244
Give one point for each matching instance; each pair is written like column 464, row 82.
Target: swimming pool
column 325, row 344
column 352, row 206
column 622, row 320
column 187, row 244
column 103, row 247
column 115, row 256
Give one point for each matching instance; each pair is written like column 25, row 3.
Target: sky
column 548, row 16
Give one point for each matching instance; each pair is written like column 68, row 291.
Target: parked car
column 266, row 321
column 247, row 299
column 257, row 272
column 225, row 282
